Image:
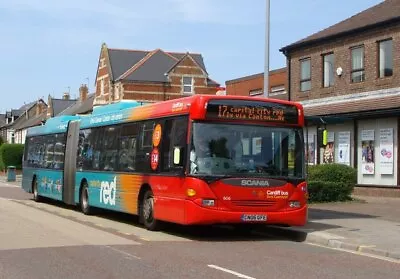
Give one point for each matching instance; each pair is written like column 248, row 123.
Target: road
column 49, row 240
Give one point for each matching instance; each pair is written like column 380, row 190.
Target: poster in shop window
column 310, row 149
column 329, row 151
column 343, row 156
column 386, row 151
column 367, row 147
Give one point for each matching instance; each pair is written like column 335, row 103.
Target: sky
column 51, row 47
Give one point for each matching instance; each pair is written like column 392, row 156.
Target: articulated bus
column 197, row 160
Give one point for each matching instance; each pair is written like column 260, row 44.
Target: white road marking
column 358, row 253
column 230, row 271
column 123, row 252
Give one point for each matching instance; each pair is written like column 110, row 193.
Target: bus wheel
column 147, row 212
column 35, row 190
column 84, row 200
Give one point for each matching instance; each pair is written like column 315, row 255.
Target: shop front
column 367, row 141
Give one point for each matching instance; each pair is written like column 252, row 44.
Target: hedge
column 331, row 182
column 333, row 173
column 11, row 155
column 326, row 191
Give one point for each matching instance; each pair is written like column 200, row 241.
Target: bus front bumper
column 197, row 215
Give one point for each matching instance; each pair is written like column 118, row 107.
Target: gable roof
column 33, row 121
column 385, row 12
column 80, row 107
column 148, row 66
column 27, row 106
column 59, row 105
column 153, row 68
column 122, row 60
column 183, row 58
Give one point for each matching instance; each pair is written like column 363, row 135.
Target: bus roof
column 127, row 111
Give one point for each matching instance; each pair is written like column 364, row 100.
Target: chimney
column 66, row 96
column 83, row 92
column 39, row 108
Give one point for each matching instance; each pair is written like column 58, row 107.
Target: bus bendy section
column 203, row 159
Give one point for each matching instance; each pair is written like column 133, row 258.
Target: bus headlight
column 294, row 204
column 208, row 202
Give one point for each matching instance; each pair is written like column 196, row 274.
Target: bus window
column 127, row 147
column 109, row 154
column 143, row 153
column 49, row 152
column 85, row 150
column 59, row 151
column 175, row 131
column 96, row 138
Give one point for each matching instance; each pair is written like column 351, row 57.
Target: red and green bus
column 203, row 159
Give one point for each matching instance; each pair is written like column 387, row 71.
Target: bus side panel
column 27, row 179
column 117, row 192
column 50, row 183
column 120, row 192
column 170, row 197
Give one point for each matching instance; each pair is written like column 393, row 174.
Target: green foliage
column 331, row 182
column 1, row 141
column 11, row 155
column 325, row 191
column 333, row 173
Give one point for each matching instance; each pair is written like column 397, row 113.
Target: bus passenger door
column 70, row 162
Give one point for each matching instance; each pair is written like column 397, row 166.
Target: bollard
column 11, row 176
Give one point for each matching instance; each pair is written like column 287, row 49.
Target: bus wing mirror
column 177, row 155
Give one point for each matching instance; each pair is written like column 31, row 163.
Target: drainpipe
column 289, row 63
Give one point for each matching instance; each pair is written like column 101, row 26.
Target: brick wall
column 342, row 53
column 243, row 86
column 147, row 91
column 174, row 88
column 103, row 76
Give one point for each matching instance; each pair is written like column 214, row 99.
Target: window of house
column 187, row 85
column 329, row 70
column 255, row 92
column 102, row 87
column 278, row 90
column 305, row 74
column 385, row 58
column 357, row 64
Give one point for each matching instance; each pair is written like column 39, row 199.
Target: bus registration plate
column 254, row 218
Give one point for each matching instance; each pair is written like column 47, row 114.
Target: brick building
column 348, row 79
column 150, row 75
column 253, row 85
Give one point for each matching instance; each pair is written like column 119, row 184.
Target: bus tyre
column 84, row 200
column 147, row 212
column 35, row 191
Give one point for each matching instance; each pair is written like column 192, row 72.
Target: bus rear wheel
column 84, row 200
column 147, row 212
column 35, row 191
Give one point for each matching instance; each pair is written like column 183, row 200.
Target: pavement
column 368, row 225
column 17, row 182
column 48, row 240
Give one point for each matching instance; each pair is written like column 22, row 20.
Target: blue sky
column 48, row 46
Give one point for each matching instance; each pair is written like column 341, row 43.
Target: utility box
column 11, row 175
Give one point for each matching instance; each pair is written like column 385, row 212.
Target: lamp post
column 266, row 66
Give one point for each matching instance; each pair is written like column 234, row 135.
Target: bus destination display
column 252, row 111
